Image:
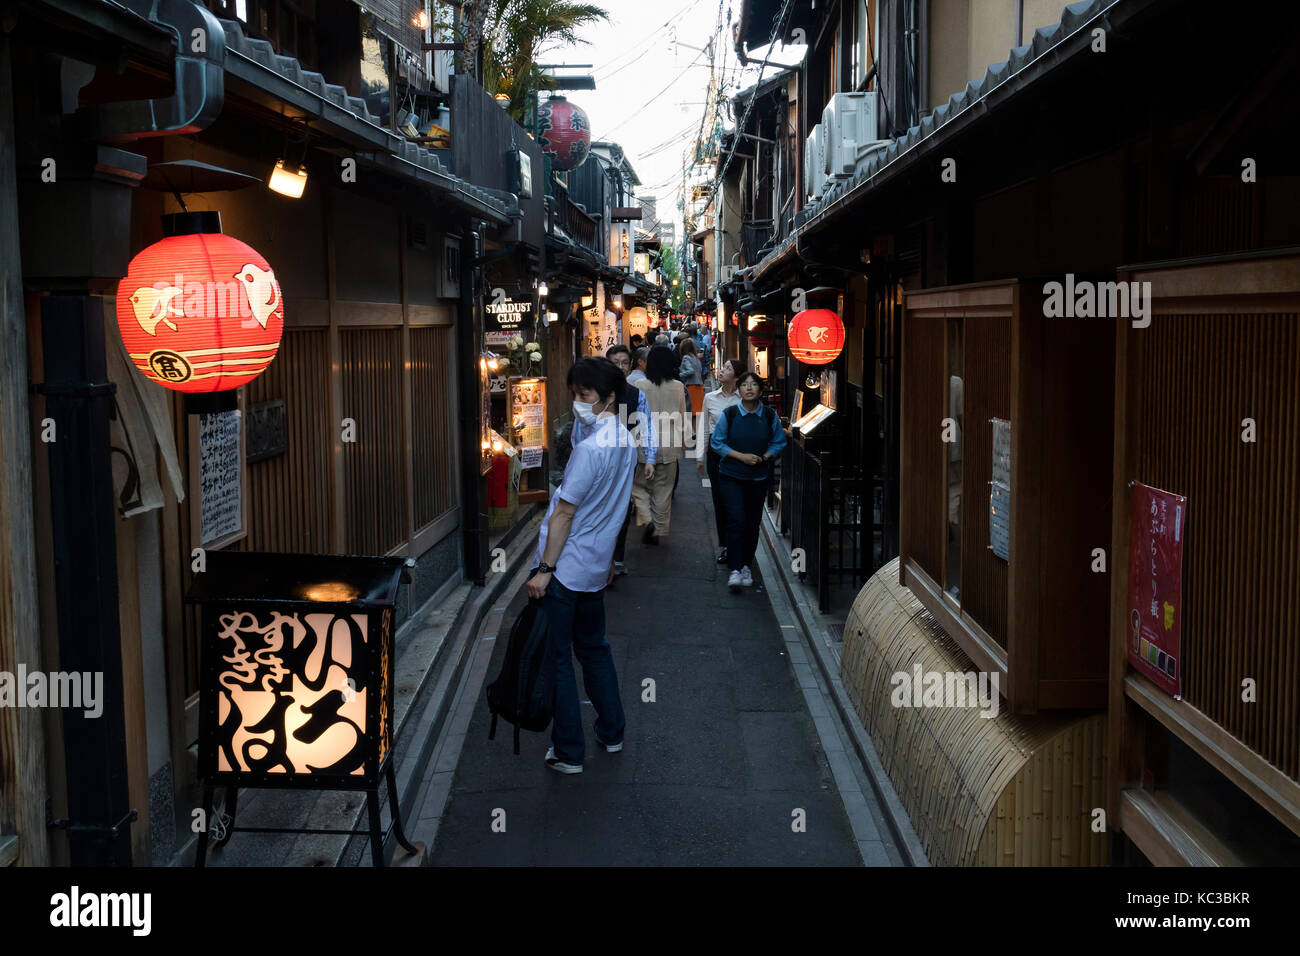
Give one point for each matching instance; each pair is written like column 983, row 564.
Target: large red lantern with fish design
column 564, row 132
column 816, row 336
column 200, row 312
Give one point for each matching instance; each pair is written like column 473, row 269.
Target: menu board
column 1157, row 528
column 220, row 470
column 528, row 419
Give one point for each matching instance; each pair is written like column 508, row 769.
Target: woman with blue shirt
column 747, row 438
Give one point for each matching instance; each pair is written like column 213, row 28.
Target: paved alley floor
column 714, row 771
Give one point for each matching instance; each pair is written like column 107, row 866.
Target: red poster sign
column 1157, row 525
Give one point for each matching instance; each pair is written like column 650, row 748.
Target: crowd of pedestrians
column 637, row 413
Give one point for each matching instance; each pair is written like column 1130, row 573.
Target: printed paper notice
column 220, row 491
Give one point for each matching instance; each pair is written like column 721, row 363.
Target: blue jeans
column 576, row 623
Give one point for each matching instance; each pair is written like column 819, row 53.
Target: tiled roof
column 288, row 68
column 901, row 150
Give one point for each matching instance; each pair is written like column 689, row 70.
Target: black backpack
column 522, row 693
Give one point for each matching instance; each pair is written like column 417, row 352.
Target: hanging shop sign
column 816, row 336
column 220, row 498
column 506, row 316
column 528, row 420
column 1000, row 491
column 1157, row 527
column 596, row 320
column 637, row 320
column 200, row 312
column 564, row 132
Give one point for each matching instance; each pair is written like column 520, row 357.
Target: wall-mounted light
column 288, row 181
column 421, row 20
column 618, row 302
column 503, row 100
column 541, row 289
column 588, row 301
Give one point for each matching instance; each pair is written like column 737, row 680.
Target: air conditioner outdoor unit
column 814, row 163
column 849, row 131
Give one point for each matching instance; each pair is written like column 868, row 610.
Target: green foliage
column 671, row 270
column 517, row 32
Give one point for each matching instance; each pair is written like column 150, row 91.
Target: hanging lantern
column 638, row 320
column 816, row 336
column 565, row 132
column 200, row 311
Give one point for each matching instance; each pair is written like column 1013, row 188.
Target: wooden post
column 22, row 737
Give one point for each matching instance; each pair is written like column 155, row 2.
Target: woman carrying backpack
column 747, row 438
column 715, row 403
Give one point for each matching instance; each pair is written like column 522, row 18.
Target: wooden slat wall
column 1195, row 377
column 986, row 380
column 374, row 470
column 434, row 421
column 288, row 495
column 923, row 469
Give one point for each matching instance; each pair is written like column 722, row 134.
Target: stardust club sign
column 506, row 316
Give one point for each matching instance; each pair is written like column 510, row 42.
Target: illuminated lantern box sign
column 506, row 317
column 816, row 336
column 200, row 311
column 638, row 320
column 296, row 672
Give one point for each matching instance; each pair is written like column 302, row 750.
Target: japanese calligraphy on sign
column 221, row 504
column 1157, row 526
column 1000, row 491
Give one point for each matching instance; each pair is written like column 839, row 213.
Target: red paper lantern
column 200, row 313
column 816, row 336
column 565, row 132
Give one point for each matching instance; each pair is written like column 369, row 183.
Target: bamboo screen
column 433, row 416
column 987, row 394
column 924, row 471
column 289, row 494
column 373, row 465
column 1193, row 378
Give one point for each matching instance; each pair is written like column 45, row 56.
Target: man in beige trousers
column 653, row 498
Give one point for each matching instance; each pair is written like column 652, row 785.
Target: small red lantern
column 565, row 132
column 200, row 312
column 816, row 336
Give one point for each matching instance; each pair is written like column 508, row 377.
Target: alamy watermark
column 922, row 688
column 1098, row 300
column 84, row 690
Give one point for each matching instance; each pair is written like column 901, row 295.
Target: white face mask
column 585, row 411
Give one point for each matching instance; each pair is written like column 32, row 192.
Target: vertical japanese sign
column 593, row 319
column 221, row 502
column 1157, row 526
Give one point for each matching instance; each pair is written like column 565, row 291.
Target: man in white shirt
column 574, row 550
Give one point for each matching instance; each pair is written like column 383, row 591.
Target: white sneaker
column 735, row 582
column 746, row 577
column 559, row 765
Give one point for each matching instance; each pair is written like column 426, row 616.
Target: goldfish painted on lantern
column 200, row 312
column 816, row 336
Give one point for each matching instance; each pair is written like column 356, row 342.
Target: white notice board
column 219, row 506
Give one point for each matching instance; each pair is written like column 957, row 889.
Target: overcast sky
column 647, row 99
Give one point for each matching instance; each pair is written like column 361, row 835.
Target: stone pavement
column 712, row 772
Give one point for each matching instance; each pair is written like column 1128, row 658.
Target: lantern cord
column 175, row 193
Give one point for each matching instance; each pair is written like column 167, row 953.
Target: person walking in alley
column 747, row 438
column 633, row 409
column 692, row 374
column 574, row 549
column 715, row 403
column 639, row 357
column 652, row 495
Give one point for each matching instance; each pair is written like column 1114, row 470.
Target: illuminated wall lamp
column 541, row 289
column 288, row 182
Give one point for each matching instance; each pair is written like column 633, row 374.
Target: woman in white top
column 715, row 403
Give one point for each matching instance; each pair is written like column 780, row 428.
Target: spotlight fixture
column 618, row 302
column 541, row 289
column 503, row 100
column 288, row 181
